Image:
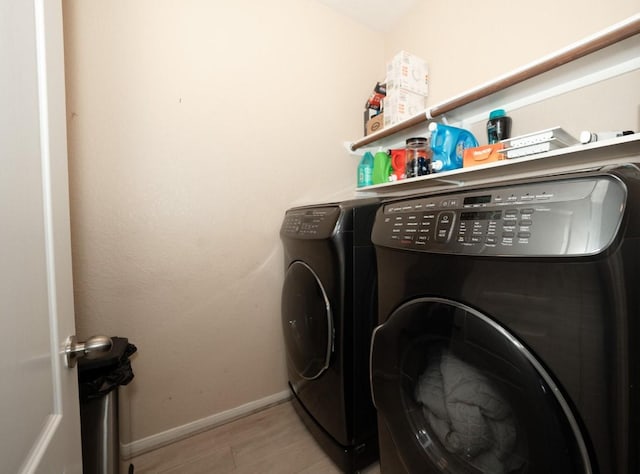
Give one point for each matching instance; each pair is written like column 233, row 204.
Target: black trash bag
column 98, row 377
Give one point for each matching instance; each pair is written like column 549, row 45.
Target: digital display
column 480, row 215
column 477, row 199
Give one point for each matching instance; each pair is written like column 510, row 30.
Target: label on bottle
column 492, row 132
column 365, row 175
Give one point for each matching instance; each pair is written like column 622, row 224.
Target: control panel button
column 444, row 226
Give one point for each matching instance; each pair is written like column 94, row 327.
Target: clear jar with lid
column 418, row 157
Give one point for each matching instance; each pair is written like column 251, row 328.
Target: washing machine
column 508, row 327
column 329, row 303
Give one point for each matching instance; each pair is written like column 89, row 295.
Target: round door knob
column 92, row 348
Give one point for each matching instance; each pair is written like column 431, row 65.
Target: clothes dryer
column 329, row 309
column 508, row 323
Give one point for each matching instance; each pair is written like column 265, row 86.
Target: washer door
column 306, row 321
column 460, row 394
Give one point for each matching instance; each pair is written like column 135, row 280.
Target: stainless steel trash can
column 100, row 434
column 99, row 380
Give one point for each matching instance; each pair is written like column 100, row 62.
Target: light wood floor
column 272, row 441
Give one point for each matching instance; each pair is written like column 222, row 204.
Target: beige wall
column 193, row 125
column 467, row 42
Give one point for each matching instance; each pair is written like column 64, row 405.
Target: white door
column 40, row 421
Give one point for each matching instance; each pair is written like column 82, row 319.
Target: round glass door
column 306, row 321
column 460, row 394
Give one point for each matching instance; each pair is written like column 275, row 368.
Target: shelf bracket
column 349, row 147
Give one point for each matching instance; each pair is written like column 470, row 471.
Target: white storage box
column 401, row 104
column 409, row 72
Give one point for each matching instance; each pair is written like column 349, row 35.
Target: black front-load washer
column 508, row 325
column 329, row 304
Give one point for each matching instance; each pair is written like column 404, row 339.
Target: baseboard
column 144, row 445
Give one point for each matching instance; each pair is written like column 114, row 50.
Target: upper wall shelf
column 610, row 52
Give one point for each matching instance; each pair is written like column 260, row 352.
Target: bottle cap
column 497, row 114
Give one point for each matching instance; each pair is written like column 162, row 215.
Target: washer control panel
column 310, row 223
column 578, row 216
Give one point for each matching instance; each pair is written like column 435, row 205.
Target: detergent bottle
column 448, row 144
column 365, row 170
column 498, row 126
column 381, row 167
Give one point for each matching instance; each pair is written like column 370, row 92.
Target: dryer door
column 459, row 394
column 306, row 321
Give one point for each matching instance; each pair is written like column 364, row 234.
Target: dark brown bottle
column 498, row 126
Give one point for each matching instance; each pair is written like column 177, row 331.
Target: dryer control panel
column 571, row 216
column 310, row 223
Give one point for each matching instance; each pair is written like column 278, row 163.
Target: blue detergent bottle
column 448, row 144
column 365, row 170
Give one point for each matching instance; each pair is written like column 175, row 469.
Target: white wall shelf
column 592, row 155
